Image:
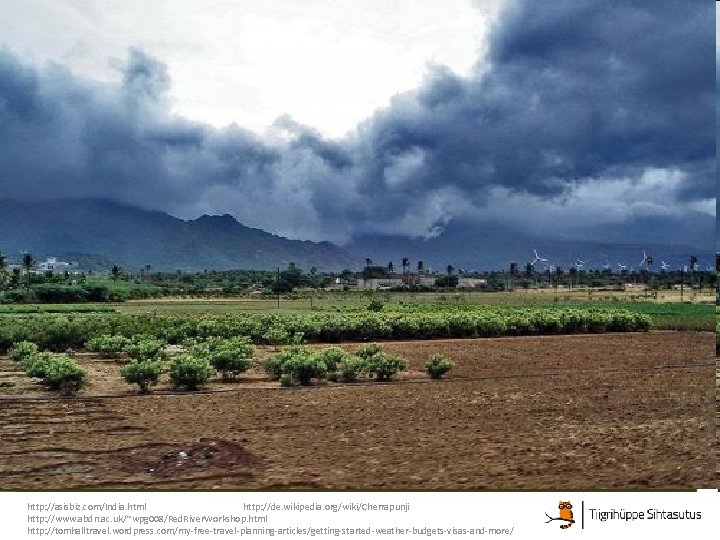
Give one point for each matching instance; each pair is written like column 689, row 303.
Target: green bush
column 22, row 351
column 36, row 364
column 276, row 335
column 383, row 366
column 437, row 365
column 349, row 368
column 368, row 349
column 145, row 348
column 62, row 373
column 332, row 357
column 303, row 366
column 107, row 346
column 188, row 371
column 229, row 356
column 145, row 374
column 297, row 362
column 273, row 364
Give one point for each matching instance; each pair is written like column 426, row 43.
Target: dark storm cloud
column 64, row 137
column 571, row 94
column 574, row 90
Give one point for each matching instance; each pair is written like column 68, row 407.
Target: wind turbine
column 579, row 264
column 647, row 260
column 665, row 266
column 622, row 267
column 537, row 258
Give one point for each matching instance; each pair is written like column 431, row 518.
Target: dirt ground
column 613, row 411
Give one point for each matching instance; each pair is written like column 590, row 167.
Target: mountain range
column 133, row 237
column 103, row 231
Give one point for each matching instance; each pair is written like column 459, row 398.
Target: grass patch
column 29, row 309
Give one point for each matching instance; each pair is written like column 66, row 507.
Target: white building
column 379, row 283
column 51, row 263
column 471, row 283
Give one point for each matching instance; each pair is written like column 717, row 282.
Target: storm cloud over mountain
column 582, row 116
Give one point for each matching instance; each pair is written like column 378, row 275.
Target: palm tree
column 27, row 263
column 390, row 268
column 3, row 269
column 115, row 273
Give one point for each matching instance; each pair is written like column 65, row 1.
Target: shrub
column 384, row 366
column 230, row 356
column 349, row 368
column 437, row 365
column 332, row 357
column 188, row 371
column 303, row 366
column 273, row 365
column 62, row 373
column 368, row 349
column 144, row 374
column 375, row 306
column 22, row 351
column 36, row 364
column 107, row 346
column 145, row 348
column 276, row 335
column 297, row 362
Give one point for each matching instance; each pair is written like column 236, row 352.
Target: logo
column 566, row 515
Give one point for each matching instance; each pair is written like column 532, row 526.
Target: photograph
column 373, row 246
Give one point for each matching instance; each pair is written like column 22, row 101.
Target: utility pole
column 682, row 282
column 277, row 281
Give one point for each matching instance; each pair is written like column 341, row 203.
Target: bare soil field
column 612, row 411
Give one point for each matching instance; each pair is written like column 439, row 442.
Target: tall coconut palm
column 115, row 273
column 3, row 270
column 27, row 263
column 406, row 270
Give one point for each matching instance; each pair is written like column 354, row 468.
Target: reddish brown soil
column 620, row 411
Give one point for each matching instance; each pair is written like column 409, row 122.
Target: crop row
column 294, row 365
column 59, row 332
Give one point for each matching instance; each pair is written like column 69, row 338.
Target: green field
column 666, row 315
column 29, row 309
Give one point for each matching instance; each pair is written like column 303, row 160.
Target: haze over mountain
column 133, row 237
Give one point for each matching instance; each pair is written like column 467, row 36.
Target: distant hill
column 100, row 232
column 491, row 246
column 133, row 237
